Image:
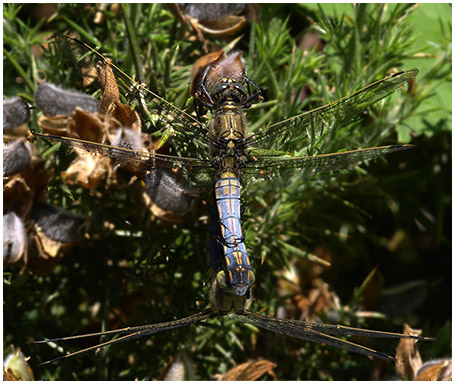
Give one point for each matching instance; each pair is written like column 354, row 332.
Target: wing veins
column 134, row 333
column 128, row 156
column 320, row 163
column 159, row 103
column 351, row 106
column 309, row 331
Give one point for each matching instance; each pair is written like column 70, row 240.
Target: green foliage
column 393, row 215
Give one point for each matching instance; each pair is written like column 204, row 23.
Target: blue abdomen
column 230, row 241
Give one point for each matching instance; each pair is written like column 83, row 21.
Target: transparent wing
column 293, row 133
column 266, row 166
column 313, row 332
column 155, row 109
column 131, row 333
column 192, row 169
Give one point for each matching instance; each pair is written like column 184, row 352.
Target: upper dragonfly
column 223, row 152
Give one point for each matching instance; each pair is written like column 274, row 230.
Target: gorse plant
column 133, row 268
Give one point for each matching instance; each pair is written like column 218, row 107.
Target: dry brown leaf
column 19, row 131
column 38, row 265
column 20, row 193
column 249, row 371
column 18, row 196
column 321, row 299
column 408, row 360
column 8, row 375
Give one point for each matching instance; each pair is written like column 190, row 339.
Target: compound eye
column 221, row 280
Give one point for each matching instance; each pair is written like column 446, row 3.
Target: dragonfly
column 230, row 154
column 222, row 153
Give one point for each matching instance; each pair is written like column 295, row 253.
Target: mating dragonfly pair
column 222, row 152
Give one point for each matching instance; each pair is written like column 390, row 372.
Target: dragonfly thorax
column 228, row 155
column 228, row 128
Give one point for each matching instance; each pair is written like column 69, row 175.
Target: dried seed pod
column 88, row 168
column 56, row 234
column 200, row 66
column 122, row 115
column 230, row 67
column 58, row 224
column 15, row 113
column 86, row 126
column 14, row 239
column 178, row 369
column 222, row 27
column 165, row 197
column 17, row 156
column 108, row 83
column 408, row 360
column 54, row 101
column 252, row 370
column 127, row 138
column 435, row 370
column 18, row 196
column 16, row 368
column 212, row 11
column 213, row 18
column 55, row 125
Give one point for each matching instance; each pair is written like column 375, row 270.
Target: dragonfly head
column 229, row 91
